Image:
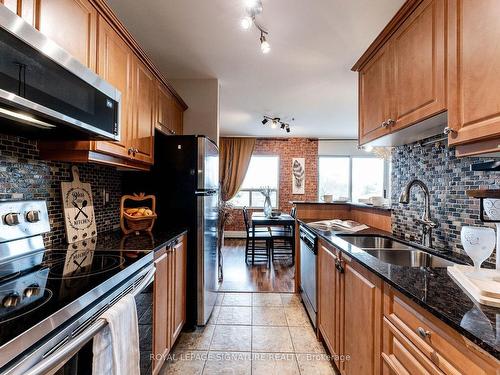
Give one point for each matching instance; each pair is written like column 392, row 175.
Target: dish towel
column 116, row 346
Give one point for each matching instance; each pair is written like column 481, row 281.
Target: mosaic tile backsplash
column 22, row 171
column 447, row 178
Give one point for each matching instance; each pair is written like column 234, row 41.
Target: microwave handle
column 63, row 354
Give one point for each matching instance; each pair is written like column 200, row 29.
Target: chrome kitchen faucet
column 426, row 221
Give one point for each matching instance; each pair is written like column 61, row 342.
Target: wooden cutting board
column 485, row 290
column 78, row 206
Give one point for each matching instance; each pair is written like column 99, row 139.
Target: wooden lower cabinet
column 169, row 299
column 416, row 342
column 370, row 328
column 349, row 312
column 179, row 282
column 329, row 299
column 362, row 319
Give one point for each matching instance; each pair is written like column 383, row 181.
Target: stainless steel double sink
column 391, row 251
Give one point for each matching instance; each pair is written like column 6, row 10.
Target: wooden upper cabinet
column 72, row 24
column 374, row 106
column 143, row 122
column 115, row 65
column 474, row 70
column 363, row 311
column 169, row 112
column 23, row 8
column 419, row 68
column 402, row 76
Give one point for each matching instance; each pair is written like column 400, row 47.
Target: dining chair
column 263, row 241
column 282, row 245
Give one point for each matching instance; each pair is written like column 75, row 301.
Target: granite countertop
column 116, row 240
column 433, row 289
column 362, row 205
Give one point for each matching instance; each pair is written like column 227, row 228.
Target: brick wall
column 287, row 149
column 448, row 179
column 22, row 171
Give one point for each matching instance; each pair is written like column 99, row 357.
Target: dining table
column 283, row 220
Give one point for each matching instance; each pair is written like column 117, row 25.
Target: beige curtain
column 235, row 154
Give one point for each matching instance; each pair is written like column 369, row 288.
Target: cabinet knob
column 448, row 130
column 385, row 124
column 423, row 333
column 390, row 122
column 130, row 150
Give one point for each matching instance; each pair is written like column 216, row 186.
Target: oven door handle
column 63, row 354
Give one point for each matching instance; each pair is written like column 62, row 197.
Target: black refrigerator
column 185, row 180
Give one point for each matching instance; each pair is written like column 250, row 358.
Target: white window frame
column 277, row 190
column 350, row 157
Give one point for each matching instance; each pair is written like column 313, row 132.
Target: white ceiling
column 306, row 75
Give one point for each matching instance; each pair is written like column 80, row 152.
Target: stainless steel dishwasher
column 308, row 257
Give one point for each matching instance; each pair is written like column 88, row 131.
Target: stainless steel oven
column 308, row 265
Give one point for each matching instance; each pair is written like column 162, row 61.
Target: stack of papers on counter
column 340, row 225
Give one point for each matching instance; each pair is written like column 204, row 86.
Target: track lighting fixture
column 276, row 122
column 252, row 9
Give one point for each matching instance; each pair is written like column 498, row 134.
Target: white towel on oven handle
column 116, row 346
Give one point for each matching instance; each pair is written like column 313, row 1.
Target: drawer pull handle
column 423, row 333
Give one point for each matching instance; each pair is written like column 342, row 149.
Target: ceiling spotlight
column 288, row 128
column 283, row 125
column 254, row 6
column 274, row 124
column 264, row 122
column 246, row 22
column 264, row 45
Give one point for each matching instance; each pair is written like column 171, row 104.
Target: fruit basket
column 138, row 216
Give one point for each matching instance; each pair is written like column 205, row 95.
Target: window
column 334, row 176
column 367, row 178
column 263, row 171
column 351, row 177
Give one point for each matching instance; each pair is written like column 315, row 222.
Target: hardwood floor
column 242, row 277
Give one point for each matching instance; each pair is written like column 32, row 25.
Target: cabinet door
column 142, row 137
column 362, row 320
column 163, row 111
column 374, row 97
column 179, row 315
column 474, row 70
column 419, row 65
column 177, row 117
column 115, row 65
column 25, row 9
column 161, row 306
column 72, row 24
column 328, row 293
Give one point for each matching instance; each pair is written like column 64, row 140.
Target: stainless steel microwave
column 47, row 93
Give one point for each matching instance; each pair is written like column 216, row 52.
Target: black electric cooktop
column 58, row 278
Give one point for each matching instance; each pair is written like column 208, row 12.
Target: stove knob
column 11, row 300
column 11, row 219
column 32, row 291
column 33, row 216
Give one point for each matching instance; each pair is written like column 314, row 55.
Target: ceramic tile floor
column 251, row 333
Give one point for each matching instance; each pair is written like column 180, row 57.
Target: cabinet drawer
column 401, row 356
column 447, row 349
